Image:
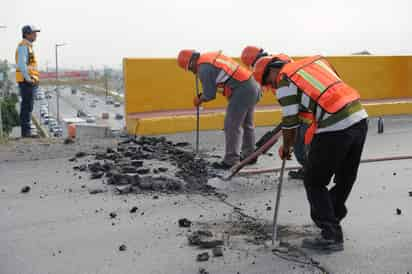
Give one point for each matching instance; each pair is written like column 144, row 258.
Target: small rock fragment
column 133, row 209
column 122, row 247
column 184, row 222
column 398, row 211
column 202, row 257
column 162, row 169
column 72, row 159
column 217, row 251
column 155, row 197
column 68, row 141
column 269, row 208
column 96, row 191
column 80, row 154
column 113, row 215
column 25, row 189
column 96, row 175
column 410, row 193
column 394, row 174
column 203, row 271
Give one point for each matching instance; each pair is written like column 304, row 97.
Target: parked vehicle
column 90, row 119
column 81, row 113
column 105, row 115
column 119, row 116
column 109, row 100
column 116, row 104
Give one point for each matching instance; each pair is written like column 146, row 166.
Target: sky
column 101, row 33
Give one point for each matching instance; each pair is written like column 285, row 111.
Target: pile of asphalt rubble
column 148, row 164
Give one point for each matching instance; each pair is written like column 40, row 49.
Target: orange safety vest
column 319, row 80
column 228, row 65
column 31, row 64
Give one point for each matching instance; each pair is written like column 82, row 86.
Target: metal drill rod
column 275, row 215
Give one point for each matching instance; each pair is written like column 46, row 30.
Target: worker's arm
column 287, row 95
column 208, row 75
column 23, row 56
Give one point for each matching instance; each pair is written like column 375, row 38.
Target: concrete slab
column 58, row 227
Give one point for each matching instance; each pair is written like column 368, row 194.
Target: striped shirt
column 293, row 101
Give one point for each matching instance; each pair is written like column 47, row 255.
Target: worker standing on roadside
column 250, row 55
column 27, row 77
column 217, row 71
column 339, row 132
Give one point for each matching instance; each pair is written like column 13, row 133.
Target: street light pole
column 57, row 82
column 1, row 100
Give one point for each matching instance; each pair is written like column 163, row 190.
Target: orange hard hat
column 260, row 68
column 183, row 59
column 250, row 54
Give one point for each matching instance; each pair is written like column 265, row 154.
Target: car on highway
column 57, row 131
column 109, row 100
column 81, row 113
column 105, row 115
column 92, row 105
column 118, row 116
column 82, row 98
column 90, row 119
column 116, row 104
column 95, row 101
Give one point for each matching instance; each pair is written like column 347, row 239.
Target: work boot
column 221, row 165
column 320, row 243
column 297, row 174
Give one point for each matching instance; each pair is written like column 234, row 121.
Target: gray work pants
column 239, row 122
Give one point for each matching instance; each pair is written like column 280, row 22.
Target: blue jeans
column 300, row 149
column 27, row 93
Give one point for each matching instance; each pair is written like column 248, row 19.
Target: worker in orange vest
column 339, row 132
column 250, row 55
column 218, row 72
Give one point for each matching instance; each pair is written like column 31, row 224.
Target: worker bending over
column 250, row 55
column 339, row 130
column 219, row 72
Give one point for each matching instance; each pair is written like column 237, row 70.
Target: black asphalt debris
column 184, row 222
column 217, row 251
column 204, row 239
column 202, row 257
column 133, row 209
column 410, row 193
column 25, row 189
column 122, row 247
column 96, row 191
column 132, row 163
column 398, row 211
column 203, row 271
column 113, row 215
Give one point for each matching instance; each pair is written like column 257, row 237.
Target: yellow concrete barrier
column 155, row 85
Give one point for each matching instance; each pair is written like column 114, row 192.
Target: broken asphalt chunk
column 80, row 154
column 133, row 209
column 96, row 191
column 204, row 239
column 398, row 211
column 113, row 215
column 217, row 251
column 202, row 257
column 184, row 222
column 122, row 247
column 25, row 189
column 96, row 175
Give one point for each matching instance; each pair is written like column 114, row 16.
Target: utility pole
column 1, row 100
column 47, row 89
column 106, row 85
column 57, row 82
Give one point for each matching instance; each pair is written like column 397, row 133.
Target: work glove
column 285, row 153
column 197, row 101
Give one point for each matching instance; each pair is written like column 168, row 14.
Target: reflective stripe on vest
column 309, row 119
column 31, row 63
column 228, row 65
column 317, row 78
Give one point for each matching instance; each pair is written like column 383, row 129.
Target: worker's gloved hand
column 197, row 101
column 285, row 153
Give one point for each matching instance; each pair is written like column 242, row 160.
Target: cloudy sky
column 102, row 32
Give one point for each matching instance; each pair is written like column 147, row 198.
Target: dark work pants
column 27, row 92
column 333, row 154
column 299, row 148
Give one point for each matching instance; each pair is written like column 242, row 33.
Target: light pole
column 1, row 100
column 57, row 81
